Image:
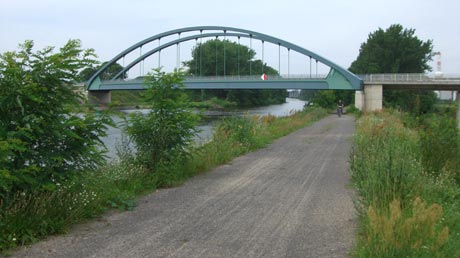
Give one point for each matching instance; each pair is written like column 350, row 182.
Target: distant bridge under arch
column 336, row 78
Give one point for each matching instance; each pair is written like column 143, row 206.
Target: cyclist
column 340, row 108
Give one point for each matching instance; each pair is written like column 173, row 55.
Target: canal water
column 114, row 135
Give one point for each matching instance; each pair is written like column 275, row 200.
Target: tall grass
column 28, row 217
column 405, row 209
column 385, row 160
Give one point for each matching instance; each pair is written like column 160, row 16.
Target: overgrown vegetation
column 407, row 179
column 214, row 104
column 43, row 139
column 166, row 132
column 127, row 98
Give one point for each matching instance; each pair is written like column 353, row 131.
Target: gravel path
column 290, row 199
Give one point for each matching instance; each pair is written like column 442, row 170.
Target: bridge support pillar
column 99, row 97
column 359, row 100
column 373, row 97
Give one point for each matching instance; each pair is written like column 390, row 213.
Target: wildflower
column 14, row 239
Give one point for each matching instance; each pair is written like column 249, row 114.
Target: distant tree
column 307, row 95
column 208, row 60
column 325, row 99
column 328, row 98
column 111, row 71
column 397, row 50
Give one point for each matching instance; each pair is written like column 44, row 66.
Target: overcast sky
column 331, row 28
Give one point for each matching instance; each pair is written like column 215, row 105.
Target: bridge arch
column 337, row 75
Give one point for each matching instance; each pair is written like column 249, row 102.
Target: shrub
column 42, row 136
column 325, row 99
column 166, row 132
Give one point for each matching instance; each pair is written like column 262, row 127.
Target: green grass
column 405, row 209
column 126, row 98
column 214, row 104
column 29, row 217
column 239, row 135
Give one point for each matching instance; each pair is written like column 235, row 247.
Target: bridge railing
column 192, row 78
column 257, row 77
column 407, row 77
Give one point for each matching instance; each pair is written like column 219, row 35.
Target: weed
column 394, row 234
column 394, row 181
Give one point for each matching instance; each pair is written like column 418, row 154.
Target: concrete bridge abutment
column 370, row 99
column 101, row 98
column 359, row 100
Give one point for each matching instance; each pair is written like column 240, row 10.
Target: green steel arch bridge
column 368, row 88
column 336, row 78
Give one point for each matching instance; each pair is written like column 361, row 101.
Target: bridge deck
column 412, row 81
column 319, row 82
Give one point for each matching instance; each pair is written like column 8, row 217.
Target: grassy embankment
column 407, row 172
column 32, row 216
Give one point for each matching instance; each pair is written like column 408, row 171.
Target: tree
column 225, row 58
column 325, row 99
column 166, row 132
column 108, row 74
column 43, row 137
column 397, row 50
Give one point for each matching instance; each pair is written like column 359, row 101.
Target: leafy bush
column 42, row 136
column 166, row 132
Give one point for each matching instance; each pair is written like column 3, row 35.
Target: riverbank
column 115, row 134
column 33, row 216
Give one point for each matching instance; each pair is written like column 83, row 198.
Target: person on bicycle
column 340, row 107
